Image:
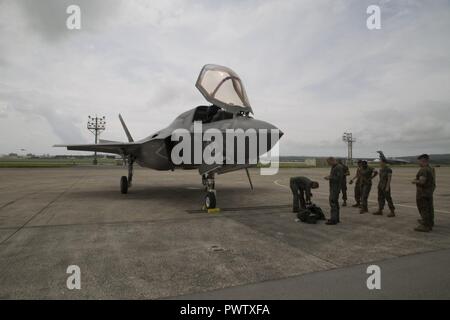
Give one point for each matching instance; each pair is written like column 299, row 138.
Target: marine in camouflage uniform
column 367, row 173
column 384, row 189
column 425, row 185
column 301, row 189
column 344, row 182
column 357, row 179
column 335, row 179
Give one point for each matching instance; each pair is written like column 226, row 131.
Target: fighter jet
column 390, row 160
column 229, row 110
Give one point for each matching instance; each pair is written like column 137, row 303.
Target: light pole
column 348, row 138
column 96, row 125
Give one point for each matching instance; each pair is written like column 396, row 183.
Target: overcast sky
column 310, row 67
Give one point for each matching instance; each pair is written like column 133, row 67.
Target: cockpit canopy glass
column 222, row 87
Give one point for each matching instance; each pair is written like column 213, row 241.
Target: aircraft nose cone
column 260, row 125
column 263, row 125
column 270, row 127
column 267, row 138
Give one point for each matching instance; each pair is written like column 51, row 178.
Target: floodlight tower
column 348, row 138
column 96, row 125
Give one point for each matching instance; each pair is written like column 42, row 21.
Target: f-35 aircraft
column 230, row 109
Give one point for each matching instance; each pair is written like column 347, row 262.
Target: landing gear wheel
column 124, row 184
column 210, row 200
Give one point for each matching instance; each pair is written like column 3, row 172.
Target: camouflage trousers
column 358, row 192
column 384, row 196
column 426, row 209
column 298, row 196
column 344, row 189
column 365, row 191
column 334, row 205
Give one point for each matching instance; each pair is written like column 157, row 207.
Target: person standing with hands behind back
column 425, row 185
column 335, row 179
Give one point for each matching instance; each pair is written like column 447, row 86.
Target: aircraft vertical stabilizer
column 130, row 138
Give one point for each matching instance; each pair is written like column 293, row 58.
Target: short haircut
column 364, row 162
column 424, row 156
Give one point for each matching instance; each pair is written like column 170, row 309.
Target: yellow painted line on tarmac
column 397, row 205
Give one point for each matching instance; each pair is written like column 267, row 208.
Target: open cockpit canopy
column 222, row 87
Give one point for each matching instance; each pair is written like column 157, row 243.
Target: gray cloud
column 48, row 17
column 33, row 105
column 3, row 110
column 310, row 67
column 424, row 125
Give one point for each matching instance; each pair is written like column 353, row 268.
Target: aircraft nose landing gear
column 124, row 185
column 125, row 182
column 210, row 198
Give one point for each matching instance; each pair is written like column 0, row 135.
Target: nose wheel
column 124, row 185
column 210, row 198
column 125, row 182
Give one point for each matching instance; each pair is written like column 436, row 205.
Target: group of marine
column 425, row 182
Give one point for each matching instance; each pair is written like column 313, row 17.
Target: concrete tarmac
column 155, row 242
column 416, row 276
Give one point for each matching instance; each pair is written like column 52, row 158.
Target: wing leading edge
column 116, row 148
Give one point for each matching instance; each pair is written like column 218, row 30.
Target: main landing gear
column 125, row 182
column 210, row 198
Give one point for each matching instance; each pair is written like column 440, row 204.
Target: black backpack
column 311, row 214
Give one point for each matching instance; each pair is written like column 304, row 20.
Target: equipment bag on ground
column 311, row 214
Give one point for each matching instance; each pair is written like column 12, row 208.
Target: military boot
column 422, row 228
column 391, row 214
column 379, row 212
column 420, row 221
column 356, row 205
column 363, row 210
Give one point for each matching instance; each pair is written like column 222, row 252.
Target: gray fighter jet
column 390, row 160
column 230, row 109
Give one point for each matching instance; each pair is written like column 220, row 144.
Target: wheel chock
column 212, row 210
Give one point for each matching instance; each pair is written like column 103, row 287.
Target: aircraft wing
column 120, row 148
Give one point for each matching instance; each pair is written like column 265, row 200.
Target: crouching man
column 301, row 192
